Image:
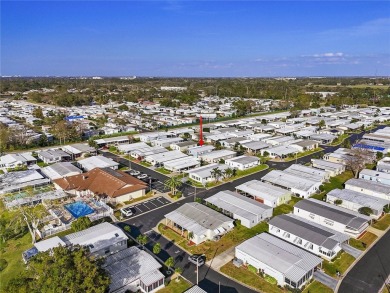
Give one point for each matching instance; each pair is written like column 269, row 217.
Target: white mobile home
column 204, row 223
column 243, row 162
column 317, row 239
column 264, row 192
column 299, row 186
column 249, row 212
column 354, row 200
column 334, row 217
column 372, row 188
column 288, row 264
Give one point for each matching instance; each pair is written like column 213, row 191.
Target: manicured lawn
column 341, row 263
column 303, row 154
column 163, row 171
column 213, row 248
column 286, row 208
column 250, row 278
column 145, row 164
column 334, row 182
column 340, row 139
column 12, row 253
column 383, row 223
column 42, row 164
column 194, row 183
column 365, row 241
column 175, row 286
column 317, row 287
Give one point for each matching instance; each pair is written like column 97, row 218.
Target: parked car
column 134, row 172
column 197, row 259
column 142, row 176
column 127, row 211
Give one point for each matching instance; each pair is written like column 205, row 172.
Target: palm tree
column 142, row 239
column 228, row 172
column 173, row 183
column 216, row 173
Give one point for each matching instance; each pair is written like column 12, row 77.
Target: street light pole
column 197, row 271
column 195, row 194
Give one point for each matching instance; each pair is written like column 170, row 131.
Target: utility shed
column 288, row 264
column 372, row 188
column 354, row 200
column 249, row 212
column 264, row 192
column 317, row 239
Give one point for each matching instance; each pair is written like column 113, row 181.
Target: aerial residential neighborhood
column 280, row 199
column 195, row 146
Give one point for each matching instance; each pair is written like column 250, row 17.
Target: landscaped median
column 339, row 140
column 214, row 248
column 302, row 154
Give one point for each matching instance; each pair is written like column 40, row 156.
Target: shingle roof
column 104, row 181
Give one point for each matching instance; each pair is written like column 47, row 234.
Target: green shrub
column 252, row 269
column 3, row 264
column 270, row 279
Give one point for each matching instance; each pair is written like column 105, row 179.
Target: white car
column 143, row 176
column 134, row 172
column 127, row 211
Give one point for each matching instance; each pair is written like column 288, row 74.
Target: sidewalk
column 375, row 231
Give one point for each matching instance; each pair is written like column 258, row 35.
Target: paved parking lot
column 146, row 206
column 160, row 187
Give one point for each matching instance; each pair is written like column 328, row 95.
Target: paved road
column 371, row 271
column 325, row 279
column 209, row 279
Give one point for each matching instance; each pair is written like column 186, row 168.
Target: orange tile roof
column 102, row 181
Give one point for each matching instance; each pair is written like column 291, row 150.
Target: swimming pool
column 79, row 209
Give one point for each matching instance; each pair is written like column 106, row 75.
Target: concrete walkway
column 325, row 279
column 351, row 250
column 221, row 259
column 375, row 231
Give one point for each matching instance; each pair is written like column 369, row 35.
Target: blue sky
column 195, row 38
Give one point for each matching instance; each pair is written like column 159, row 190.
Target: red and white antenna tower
column 201, row 142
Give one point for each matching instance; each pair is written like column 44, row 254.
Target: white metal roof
column 262, row 189
column 129, row 265
column 291, row 261
column 238, row 204
column 359, row 198
column 99, row 236
column 50, row 243
column 197, row 218
column 97, row 162
column 289, row 180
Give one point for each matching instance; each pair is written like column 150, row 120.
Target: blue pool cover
column 79, row 209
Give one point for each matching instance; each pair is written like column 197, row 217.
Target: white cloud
column 339, row 54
